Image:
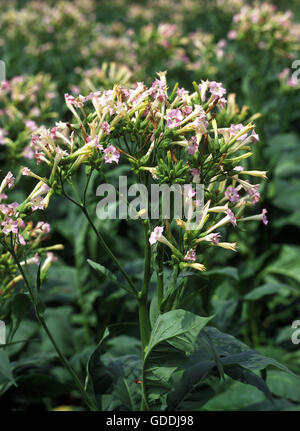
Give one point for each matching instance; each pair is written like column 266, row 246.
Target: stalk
column 85, row 396
column 142, row 304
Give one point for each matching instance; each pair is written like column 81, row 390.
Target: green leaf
column 104, row 271
column 172, row 340
column 284, row 385
column 126, row 393
column 6, row 370
column 261, row 291
column 287, row 263
column 107, row 274
column 250, row 378
column 230, row 271
column 98, row 380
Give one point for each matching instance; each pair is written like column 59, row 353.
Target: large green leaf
column 237, row 360
column 6, row 369
column 287, row 263
column 126, row 391
column 172, row 340
column 98, row 379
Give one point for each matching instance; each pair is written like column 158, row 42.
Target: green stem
column 143, row 295
column 160, row 276
column 85, row 396
column 143, row 298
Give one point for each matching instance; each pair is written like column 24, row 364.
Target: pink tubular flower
column 21, row 240
column 238, row 168
column 213, row 237
column 3, row 133
column 264, row 217
column 111, row 154
column 231, row 216
column 181, row 92
column 156, row 234
column 200, row 124
column 232, row 34
column 216, row 89
column 44, row 227
column 9, row 181
column 196, row 175
column 69, row 98
column 187, row 110
column 254, row 194
column 222, row 102
column 235, row 129
column 254, row 136
column 106, row 127
column 292, row 82
column 190, row 255
column 174, row 118
column 37, row 203
column 10, row 225
column 189, row 192
column 28, row 152
column 192, row 145
column 30, row 124
column 26, row 171
column 232, row 194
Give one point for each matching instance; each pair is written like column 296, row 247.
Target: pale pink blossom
column 156, row 234
column 106, row 127
column 37, row 203
column 216, row 89
column 190, row 255
column 174, row 118
column 192, row 145
column 231, row 216
column 9, row 225
column 111, row 154
column 232, row 194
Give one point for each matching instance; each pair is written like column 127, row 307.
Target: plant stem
column 143, row 309
column 143, row 295
column 160, row 276
column 85, row 396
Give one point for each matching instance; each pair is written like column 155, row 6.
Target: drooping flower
column 156, row 234
column 196, row 175
column 264, row 217
column 235, row 129
column 26, row 171
column 254, row 136
column 231, row 216
column 3, row 134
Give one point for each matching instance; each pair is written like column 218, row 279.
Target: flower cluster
column 20, row 237
column 176, row 138
column 25, row 103
column 262, row 25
